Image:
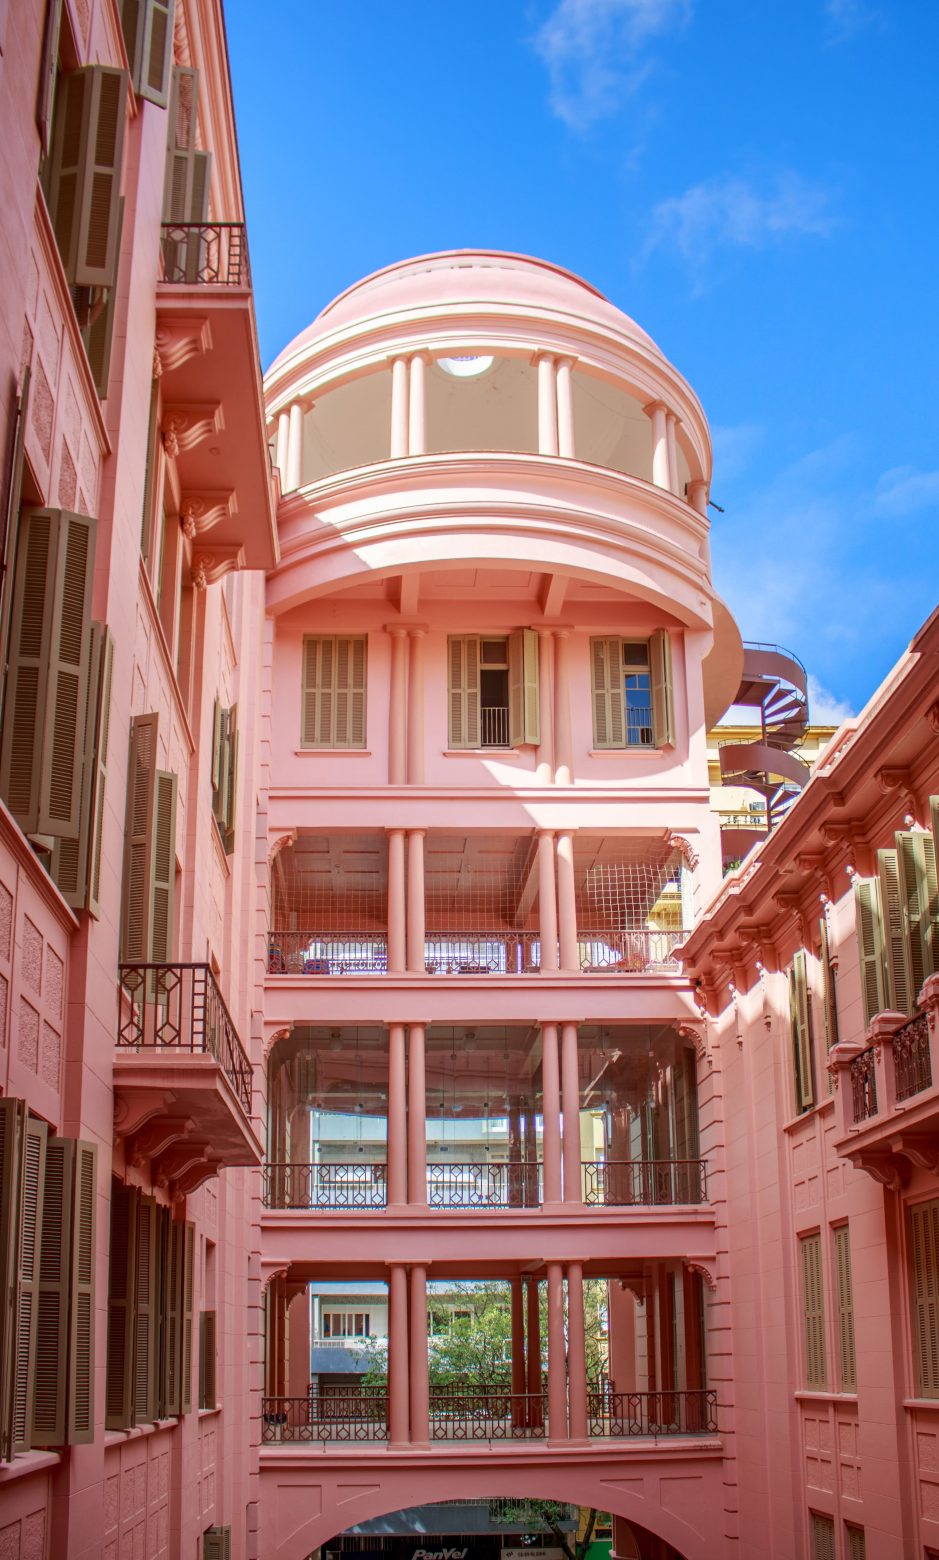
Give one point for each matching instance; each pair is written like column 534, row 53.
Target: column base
column 399, row 1446
column 580, row 1441
column 419, row 1446
column 557, row 1440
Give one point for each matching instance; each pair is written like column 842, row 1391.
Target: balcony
column 183, row 1081
column 888, row 1099
column 213, row 423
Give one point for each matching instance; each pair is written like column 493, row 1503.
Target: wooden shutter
column 896, row 946
column 122, row 1287
column 660, row 679
column 41, row 754
column 12, row 522
column 188, row 1276
column 800, row 1015
column 216, row 747
column 163, row 868
column 924, row 1284
column 173, row 1318
column 148, row 38
column 146, row 1313
column 85, row 175
column 463, row 691
column 81, row 1350
column 207, row 1359
column 98, row 332
column 138, row 839
column 846, row 1354
column 856, row 1542
column 12, row 1131
column 318, row 699
column 52, row 1300
column 823, row 1537
column 48, row 70
column 26, row 1307
column 102, row 738
column 870, row 939
column 231, row 783
column 608, row 691
column 830, row 992
column 919, row 905
column 524, row 702
column 186, row 191
column 76, row 863
column 813, row 1311
column 216, row 1543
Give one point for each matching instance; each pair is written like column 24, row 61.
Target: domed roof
column 462, row 278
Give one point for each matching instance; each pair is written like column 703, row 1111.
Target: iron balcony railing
column 179, row 1007
column 494, row 726
column 347, row 1416
column 625, row 1414
column 482, row 953
column 912, row 1065
column 486, row 1414
column 327, row 953
column 864, row 1085
column 645, row 1182
column 211, row 254
column 343, row 1186
column 630, row 952
column 502, row 1184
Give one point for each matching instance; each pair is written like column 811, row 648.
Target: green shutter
column 26, row 1301
column 163, row 869
column 846, row 1351
column 52, row 1301
column 349, row 705
column 660, row 678
column 524, row 701
column 870, row 946
column 146, row 1312
column 801, row 1024
column 830, row 994
column 813, row 1311
column 48, row 72
column 924, row 1287
column 823, row 1537
column 12, row 524
column 919, row 905
column 463, row 691
column 896, row 944
column 85, row 172
column 81, row 1350
column 189, row 1273
column 138, row 840
column 98, row 331
column 148, row 38
column 608, row 689
column 207, row 1359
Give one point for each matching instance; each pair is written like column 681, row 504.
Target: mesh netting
column 480, row 882
column 623, row 885
column 331, row 882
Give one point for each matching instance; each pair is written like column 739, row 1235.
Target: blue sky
column 754, row 182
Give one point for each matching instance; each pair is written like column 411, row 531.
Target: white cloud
column 903, row 490
column 825, row 708
column 599, row 51
column 729, row 212
column 846, row 18
column 734, row 448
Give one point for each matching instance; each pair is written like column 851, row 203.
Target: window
column 149, row 897
column 855, row 1542
column 216, row 1543
column 632, row 692
column 810, row 1248
column 847, row 1368
column 493, row 690
column 800, row 1019
column 924, row 1295
column 823, row 1537
column 334, row 692
column 150, row 1295
column 897, row 917
column 829, row 986
column 347, row 1324
column 225, row 772
column 207, row 1359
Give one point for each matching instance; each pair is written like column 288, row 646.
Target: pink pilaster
column 419, row 1367
column 576, row 1352
column 547, row 902
column 415, row 744
column 415, row 918
column 545, row 769
column 397, row 938
column 570, row 1097
column 551, row 1113
column 547, row 405
column 567, row 902
column 397, row 1118
column 557, row 1365
column 656, row 413
column 563, row 751
column 417, row 1117
column 398, row 1391
column 399, row 407
column 397, row 707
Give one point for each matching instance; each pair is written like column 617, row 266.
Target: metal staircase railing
column 775, row 682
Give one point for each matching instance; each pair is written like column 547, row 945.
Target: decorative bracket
column 682, row 845
column 200, row 511
column 705, row 1273
column 901, row 781
column 209, row 564
column 177, row 341
column 186, row 426
column 272, row 1039
column 697, row 1034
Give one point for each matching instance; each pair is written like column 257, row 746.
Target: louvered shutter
column 870, row 946
column 81, row 1351
column 48, row 71
column 12, row 520
column 98, row 333
column 830, row 993
column 216, row 748
column 173, row 1319
column 27, row 1296
column 608, row 689
column 85, row 175
column 216, row 1543
column 41, row 755
column 181, row 144
column 813, row 1311
column 856, row 1542
column 189, row 1270
column 102, row 738
column 12, row 1128
column 846, row 1353
column 148, row 38
column 163, row 868
column 122, row 1287
column 138, row 840
column 524, row 704
column 318, row 701
column 801, row 1022
column 76, row 863
column 924, row 1252
column 231, row 782
column 52, row 1300
column 207, row 1360
column 896, row 946
column 660, row 678
column 919, row 904
column 464, row 694
column 146, row 1290
column 823, row 1537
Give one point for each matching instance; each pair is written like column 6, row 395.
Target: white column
column 565, row 391
column 547, row 406
column 655, row 411
column 417, row 406
column 567, row 901
column 671, row 423
column 399, row 407
column 280, row 449
column 294, row 446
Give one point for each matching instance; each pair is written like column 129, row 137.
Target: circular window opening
column 467, row 366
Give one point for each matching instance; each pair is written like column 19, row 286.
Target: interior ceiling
column 483, row 584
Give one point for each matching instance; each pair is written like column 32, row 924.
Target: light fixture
column 467, row 365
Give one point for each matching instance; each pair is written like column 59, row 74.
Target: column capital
column 652, row 407
column 566, row 361
column 543, row 355
column 673, row 417
column 546, row 834
column 396, row 828
column 396, row 630
column 417, row 833
column 417, row 630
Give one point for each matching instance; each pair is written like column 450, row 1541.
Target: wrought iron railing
column 482, row 953
column 494, row 726
column 628, row 951
column 327, row 953
column 212, row 254
column 647, row 1182
column 473, row 1185
column 651, row 1413
column 486, row 1414
column 345, row 1186
column 179, row 1007
column 911, row 1060
column 349, row 1416
column 864, row 1085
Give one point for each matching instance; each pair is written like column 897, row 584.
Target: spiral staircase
column 773, row 681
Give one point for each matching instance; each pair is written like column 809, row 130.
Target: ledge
column 332, row 753
column 25, row 1463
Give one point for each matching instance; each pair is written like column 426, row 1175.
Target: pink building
column 362, row 928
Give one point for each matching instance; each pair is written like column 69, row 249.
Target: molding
column 183, row 427
column 200, row 511
column 209, row 564
column 178, row 340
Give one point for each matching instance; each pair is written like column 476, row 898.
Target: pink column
column 655, row 411
column 547, row 902
column 698, row 495
column 547, row 406
column 534, row 1415
column 398, row 1415
column 280, row 448
column 567, row 902
column 397, row 944
column 416, row 900
column 545, row 770
column 621, row 1310
column 557, row 1370
column 298, row 1343
column 420, row 1391
column 551, row 1113
column 417, row 409
column 397, row 707
column 576, row 1351
column 294, row 446
column 570, row 1096
column 671, row 423
column 417, row 1118
column 397, row 1119
column 565, row 394
column 563, row 758
column 416, row 707
column 518, row 1350
column 399, row 408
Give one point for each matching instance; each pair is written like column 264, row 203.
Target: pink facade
column 361, row 910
